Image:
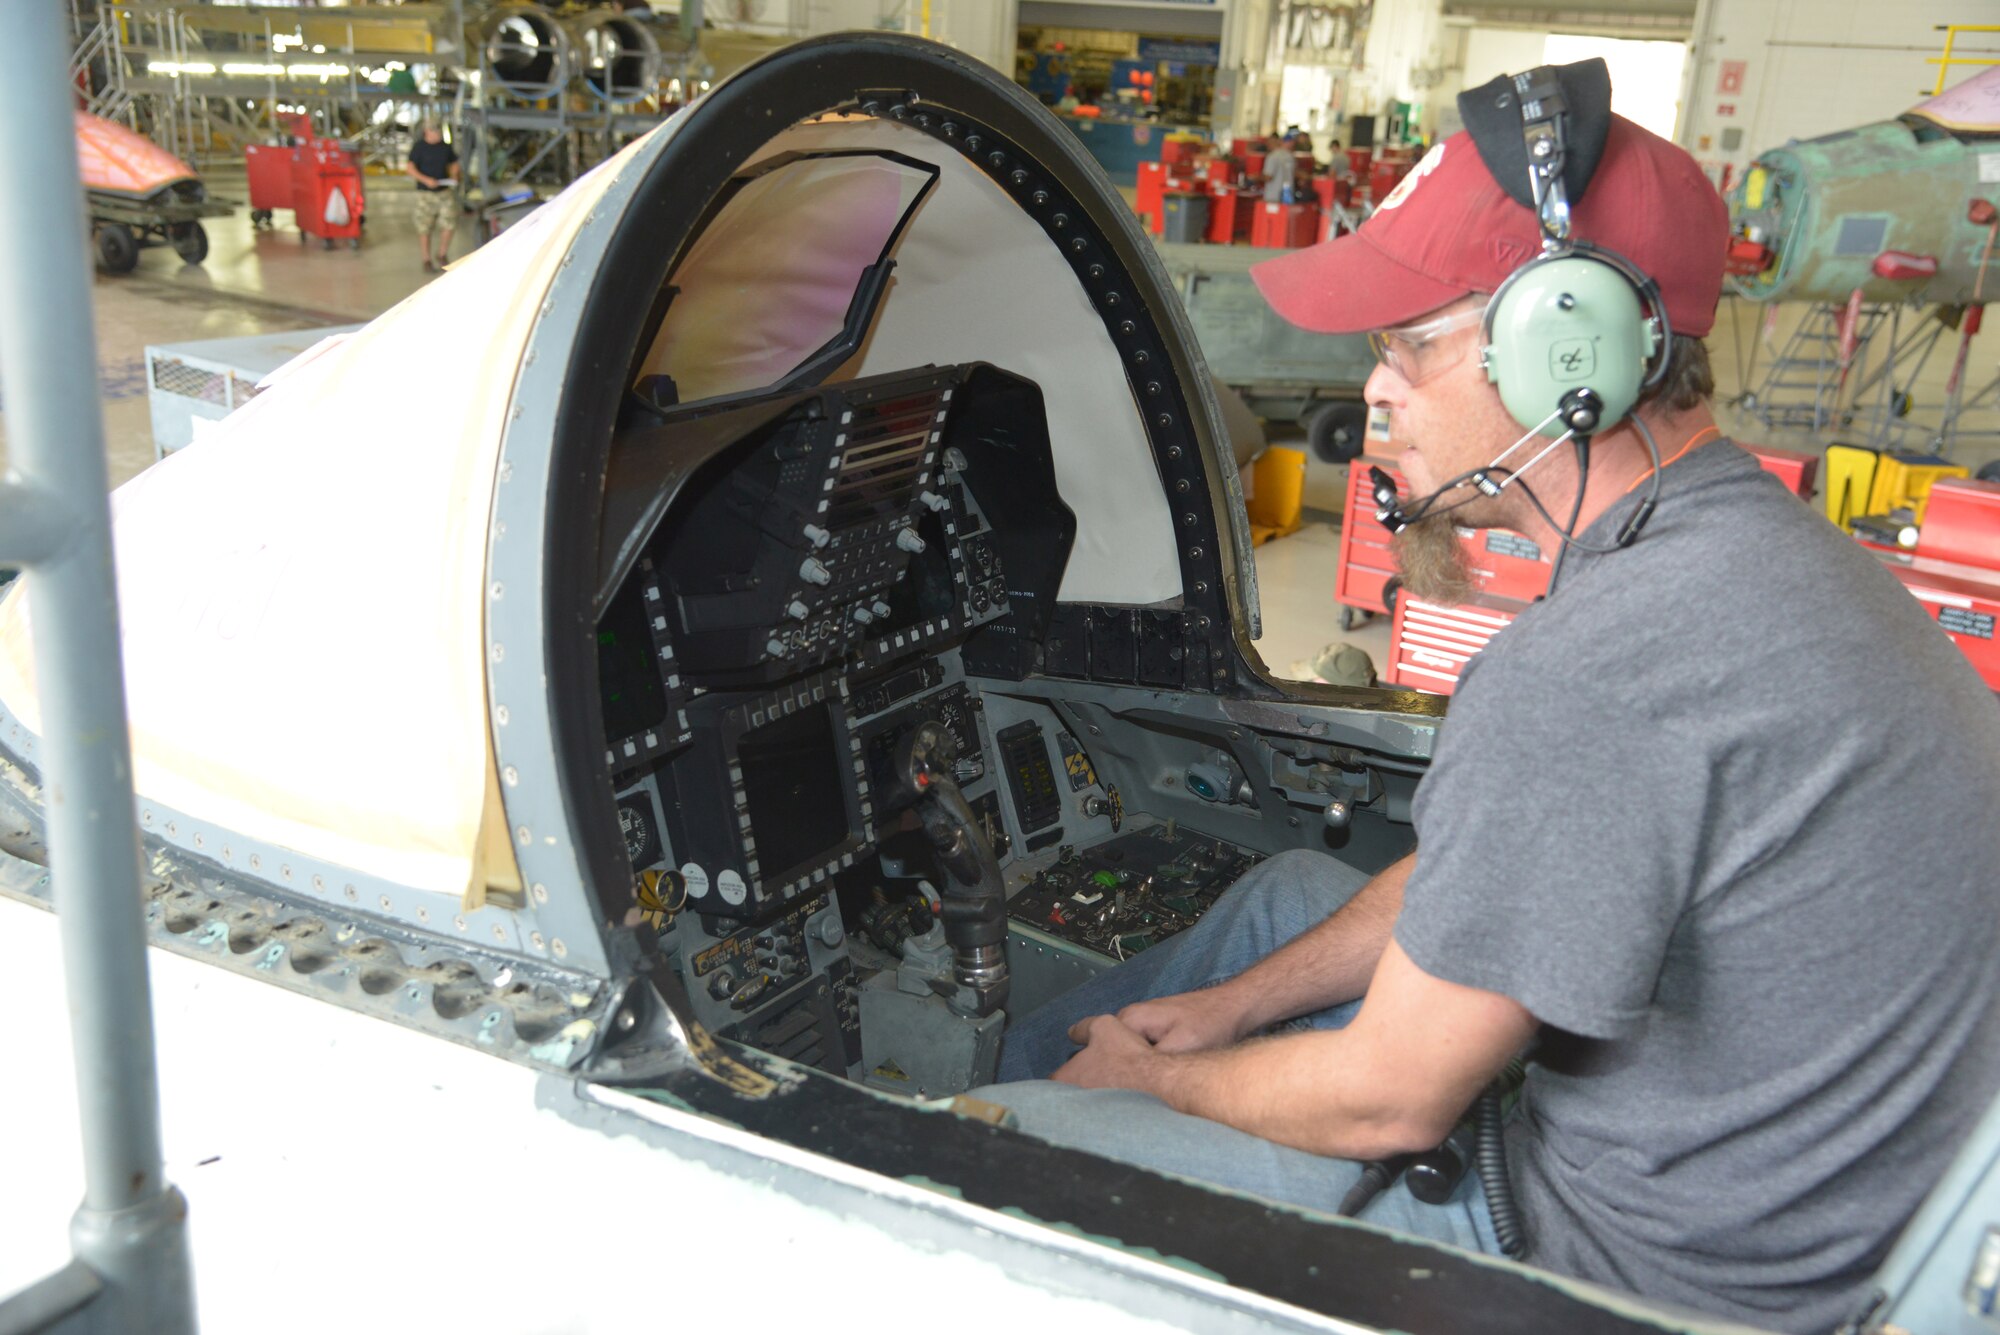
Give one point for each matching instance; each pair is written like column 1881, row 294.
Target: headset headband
column 1544, row 115
column 1493, row 120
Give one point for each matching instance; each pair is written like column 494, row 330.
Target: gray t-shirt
column 1723, row 813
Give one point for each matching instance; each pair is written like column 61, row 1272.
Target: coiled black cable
column 1490, row 1155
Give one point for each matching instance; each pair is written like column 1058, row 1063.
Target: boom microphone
column 1396, row 517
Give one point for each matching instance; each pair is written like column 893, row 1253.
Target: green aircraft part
column 1829, row 206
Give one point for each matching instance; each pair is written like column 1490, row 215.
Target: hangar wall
column 1760, row 72
column 1493, row 51
column 1764, row 71
column 980, row 28
column 1406, row 56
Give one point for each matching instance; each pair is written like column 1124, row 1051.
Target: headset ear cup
column 1565, row 322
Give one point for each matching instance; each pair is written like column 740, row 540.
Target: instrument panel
column 808, row 574
column 814, row 558
column 785, row 620
column 827, row 533
column 797, row 782
column 1131, row 892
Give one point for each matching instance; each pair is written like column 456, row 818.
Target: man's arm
column 1323, row 966
column 410, row 170
column 1396, row 1080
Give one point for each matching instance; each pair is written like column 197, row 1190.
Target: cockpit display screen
column 792, row 789
column 628, row 676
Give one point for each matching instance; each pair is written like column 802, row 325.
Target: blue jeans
column 1274, row 902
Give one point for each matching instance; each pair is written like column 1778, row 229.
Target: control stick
column 974, row 893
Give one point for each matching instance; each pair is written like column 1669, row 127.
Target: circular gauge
column 637, row 828
column 950, row 714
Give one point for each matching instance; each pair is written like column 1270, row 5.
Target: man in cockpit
column 1708, row 837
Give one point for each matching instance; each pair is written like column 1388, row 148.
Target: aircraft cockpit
column 801, row 620
column 858, row 611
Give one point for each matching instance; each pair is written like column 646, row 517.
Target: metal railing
column 1946, row 61
column 100, row 46
column 131, row 1270
column 96, row 44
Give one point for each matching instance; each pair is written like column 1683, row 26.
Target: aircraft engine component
column 1882, row 209
column 616, row 58
column 525, row 52
column 119, row 161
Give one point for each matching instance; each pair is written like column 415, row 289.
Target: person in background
column 1280, row 171
column 433, row 165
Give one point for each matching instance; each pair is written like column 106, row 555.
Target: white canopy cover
column 303, row 591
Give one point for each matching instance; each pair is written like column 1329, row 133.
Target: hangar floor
column 265, row 281
column 253, row 282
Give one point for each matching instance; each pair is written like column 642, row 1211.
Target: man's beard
column 1432, row 563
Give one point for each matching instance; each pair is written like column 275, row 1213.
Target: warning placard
column 1502, row 543
column 1965, row 621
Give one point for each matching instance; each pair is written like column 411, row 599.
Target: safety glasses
column 1424, row 350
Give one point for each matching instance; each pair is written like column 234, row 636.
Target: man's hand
column 1188, row 1021
column 1114, row 1056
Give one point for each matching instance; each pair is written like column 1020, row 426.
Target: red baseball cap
column 1449, row 229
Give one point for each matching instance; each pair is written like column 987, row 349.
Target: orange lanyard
column 1706, row 433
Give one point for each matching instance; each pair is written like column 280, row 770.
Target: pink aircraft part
column 1971, row 106
column 115, row 159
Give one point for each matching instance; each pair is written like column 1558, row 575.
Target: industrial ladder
column 1804, row 383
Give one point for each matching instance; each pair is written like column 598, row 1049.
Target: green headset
column 1573, row 338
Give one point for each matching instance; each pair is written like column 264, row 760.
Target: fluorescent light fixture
column 248, row 69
